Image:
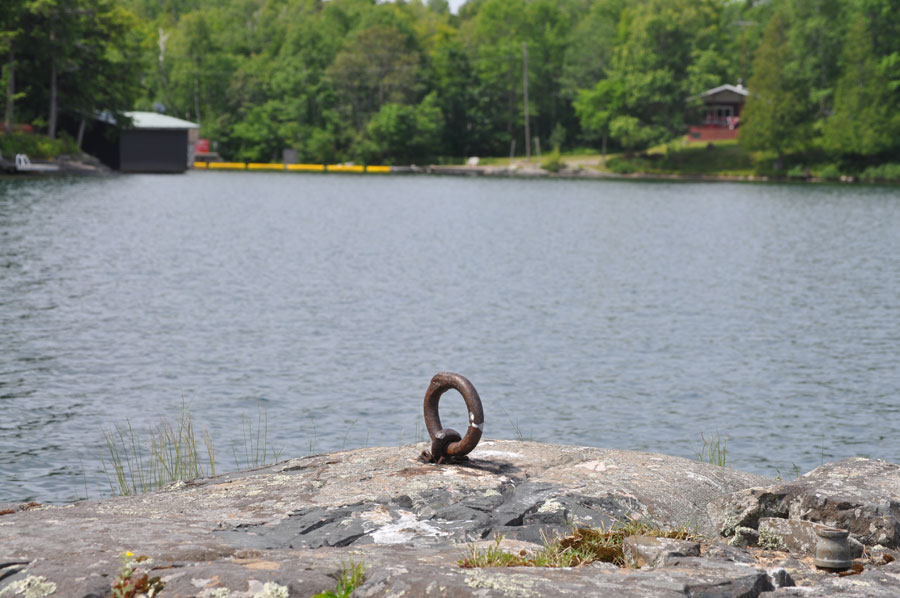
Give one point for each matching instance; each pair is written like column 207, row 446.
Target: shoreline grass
column 721, row 158
column 714, row 450
column 175, row 452
column 584, row 545
column 256, row 447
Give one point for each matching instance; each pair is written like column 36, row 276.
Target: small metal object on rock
column 447, row 446
column 832, row 549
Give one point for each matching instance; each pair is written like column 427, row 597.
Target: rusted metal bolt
column 446, row 444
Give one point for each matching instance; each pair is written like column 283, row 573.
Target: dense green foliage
column 409, row 82
column 35, row 146
column 68, row 57
column 826, row 78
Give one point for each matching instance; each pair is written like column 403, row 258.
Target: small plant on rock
column 770, row 540
column 132, row 580
column 349, row 577
column 582, row 546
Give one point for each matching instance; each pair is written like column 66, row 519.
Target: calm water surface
column 626, row 315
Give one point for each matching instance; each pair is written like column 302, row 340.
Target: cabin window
column 719, row 115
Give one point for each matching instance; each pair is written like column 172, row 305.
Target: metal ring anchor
column 446, row 444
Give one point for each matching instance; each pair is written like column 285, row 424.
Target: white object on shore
column 23, row 164
column 473, row 161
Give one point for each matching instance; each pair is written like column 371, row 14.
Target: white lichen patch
column 215, row 593
column 405, row 529
column 272, row 590
column 258, row 589
column 513, row 585
column 30, row 587
column 771, row 540
column 550, row 506
column 378, row 516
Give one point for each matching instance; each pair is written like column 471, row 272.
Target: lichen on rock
column 33, row 586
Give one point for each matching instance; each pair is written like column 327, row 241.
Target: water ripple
column 627, row 315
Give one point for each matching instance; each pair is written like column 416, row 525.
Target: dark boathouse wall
column 100, row 141
column 153, row 150
column 136, row 150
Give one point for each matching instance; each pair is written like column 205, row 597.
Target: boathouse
column 721, row 114
column 151, row 143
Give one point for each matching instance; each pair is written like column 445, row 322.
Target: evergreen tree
column 817, row 32
column 775, row 115
column 862, row 122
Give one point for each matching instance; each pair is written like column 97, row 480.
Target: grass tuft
column 349, row 577
column 714, row 450
column 582, row 546
column 257, row 452
column 173, row 455
column 516, row 429
column 176, row 452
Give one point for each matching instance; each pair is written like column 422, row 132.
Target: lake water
column 632, row 315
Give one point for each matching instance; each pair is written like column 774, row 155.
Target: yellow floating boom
column 307, row 167
column 345, row 168
column 292, row 167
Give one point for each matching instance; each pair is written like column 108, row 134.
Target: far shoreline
column 89, row 166
column 518, row 171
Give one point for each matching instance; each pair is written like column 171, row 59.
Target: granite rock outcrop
column 287, row 529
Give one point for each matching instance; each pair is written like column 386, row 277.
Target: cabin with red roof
column 722, row 107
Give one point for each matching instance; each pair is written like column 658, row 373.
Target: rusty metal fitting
column 833, row 548
column 440, row 442
column 446, row 444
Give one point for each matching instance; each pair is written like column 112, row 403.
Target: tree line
column 409, row 82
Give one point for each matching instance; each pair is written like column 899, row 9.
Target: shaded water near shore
column 631, row 315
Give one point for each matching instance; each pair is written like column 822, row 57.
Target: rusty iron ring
column 442, row 439
column 446, row 444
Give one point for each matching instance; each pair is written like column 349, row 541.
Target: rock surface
column 860, row 495
column 287, row 529
column 648, row 552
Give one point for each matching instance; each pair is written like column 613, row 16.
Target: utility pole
column 525, row 93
